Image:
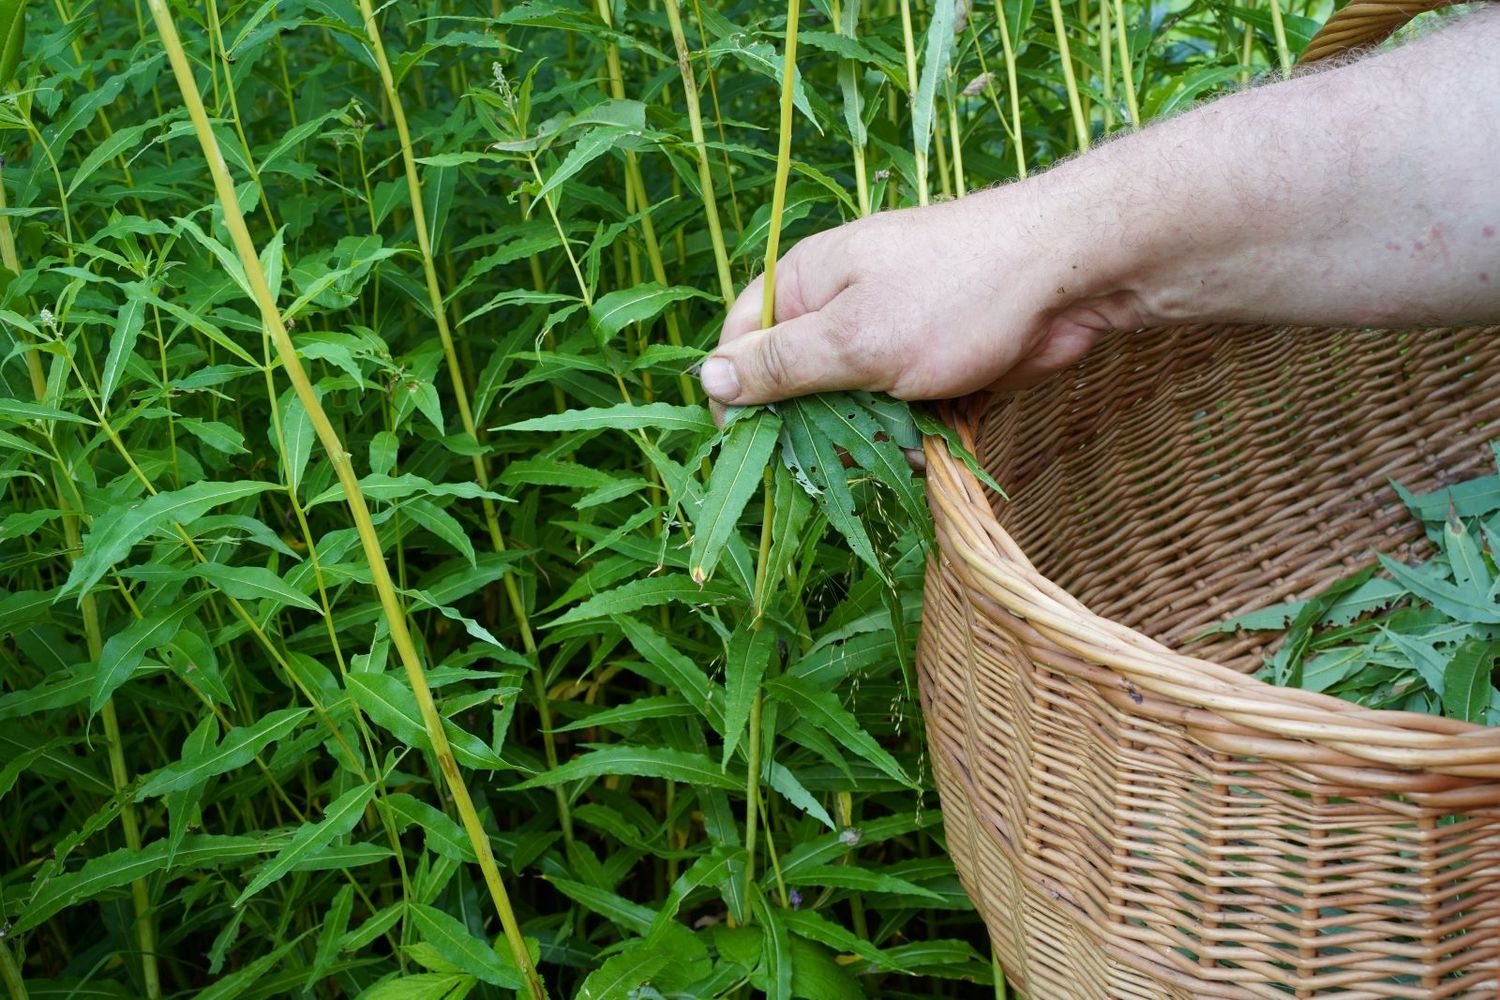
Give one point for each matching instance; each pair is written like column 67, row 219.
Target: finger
column 794, row 358
column 808, row 278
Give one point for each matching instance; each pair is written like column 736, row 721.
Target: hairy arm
column 1368, row 194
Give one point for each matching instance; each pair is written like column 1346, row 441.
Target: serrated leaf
column 117, row 528
column 644, row 762
column 745, row 661
column 777, row 956
column 818, row 468
column 12, row 39
column 737, row 472
column 935, row 59
column 1466, row 679
column 637, row 304
column 454, row 942
column 1444, row 596
column 442, row 524
column 338, row 819
column 651, row 591
column 335, row 925
column 254, row 583
column 390, row 703
column 619, row 976
column 118, row 868
column 822, row 709
column 238, row 747
column 623, row 417
column 126, row 650
column 129, row 321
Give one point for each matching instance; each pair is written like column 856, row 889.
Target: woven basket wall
column 1134, row 816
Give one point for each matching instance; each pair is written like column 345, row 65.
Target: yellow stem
column 369, row 539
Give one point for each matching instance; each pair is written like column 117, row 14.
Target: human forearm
column 1363, row 195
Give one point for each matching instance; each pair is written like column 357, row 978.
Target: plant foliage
column 451, row 638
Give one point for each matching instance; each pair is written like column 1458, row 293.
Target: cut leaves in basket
column 1423, row 638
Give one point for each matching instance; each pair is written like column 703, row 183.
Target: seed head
column 47, row 318
column 502, row 85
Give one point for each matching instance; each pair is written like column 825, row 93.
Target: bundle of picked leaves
column 1421, row 638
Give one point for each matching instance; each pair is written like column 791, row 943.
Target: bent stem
column 390, row 602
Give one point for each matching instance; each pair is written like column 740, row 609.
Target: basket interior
column 1179, row 477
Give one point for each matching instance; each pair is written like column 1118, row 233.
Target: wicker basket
column 1133, row 815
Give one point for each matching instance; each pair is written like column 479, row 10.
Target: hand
column 921, row 303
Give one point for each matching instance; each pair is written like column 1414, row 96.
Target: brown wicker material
column 1133, row 814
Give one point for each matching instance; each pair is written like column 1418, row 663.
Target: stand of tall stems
column 465, row 411
column 767, row 320
column 390, row 601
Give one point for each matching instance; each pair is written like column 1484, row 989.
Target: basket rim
column 1233, row 711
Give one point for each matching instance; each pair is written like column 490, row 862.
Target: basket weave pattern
column 1135, row 816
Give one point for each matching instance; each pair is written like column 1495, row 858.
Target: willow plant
column 339, row 458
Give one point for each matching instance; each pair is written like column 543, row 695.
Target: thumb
column 800, row 356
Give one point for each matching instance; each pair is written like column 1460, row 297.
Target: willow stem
column 700, row 146
column 918, row 150
column 1013, row 88
column 1075, row 102
column 395, row 613
column 461, row 397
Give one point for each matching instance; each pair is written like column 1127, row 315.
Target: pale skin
column 1364, row 195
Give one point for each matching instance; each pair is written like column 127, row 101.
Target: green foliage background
column 213, row 778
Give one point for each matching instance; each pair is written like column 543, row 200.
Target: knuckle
column 776, row 362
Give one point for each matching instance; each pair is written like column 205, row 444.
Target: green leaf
column 645, row 593
column 335, row 925
column 124, row 651
column 637, row 304
column 745, row 661
column 254, row 583
column 12, row 39
column 623, row 417
column 1466, row 679
column 618, row 977
column 816, row 464
column 594, row 144
column 1469, row 570
column 678, row 671
column 390, row 704
column 645, row 762
column 935, row 61
column 778, row 951
column 238, row 748
column 120, row 525
column 422, row 986
column 129, row 321
column 454, row 942
column 861, row 879
column 441, row 832
column 218, row 436
column 120, row 868
column 738, row 470
column 815, row 974
column 237, row 982
column 442, row 524
column 823, row 710
column 1444, row 596
column 338, row 819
